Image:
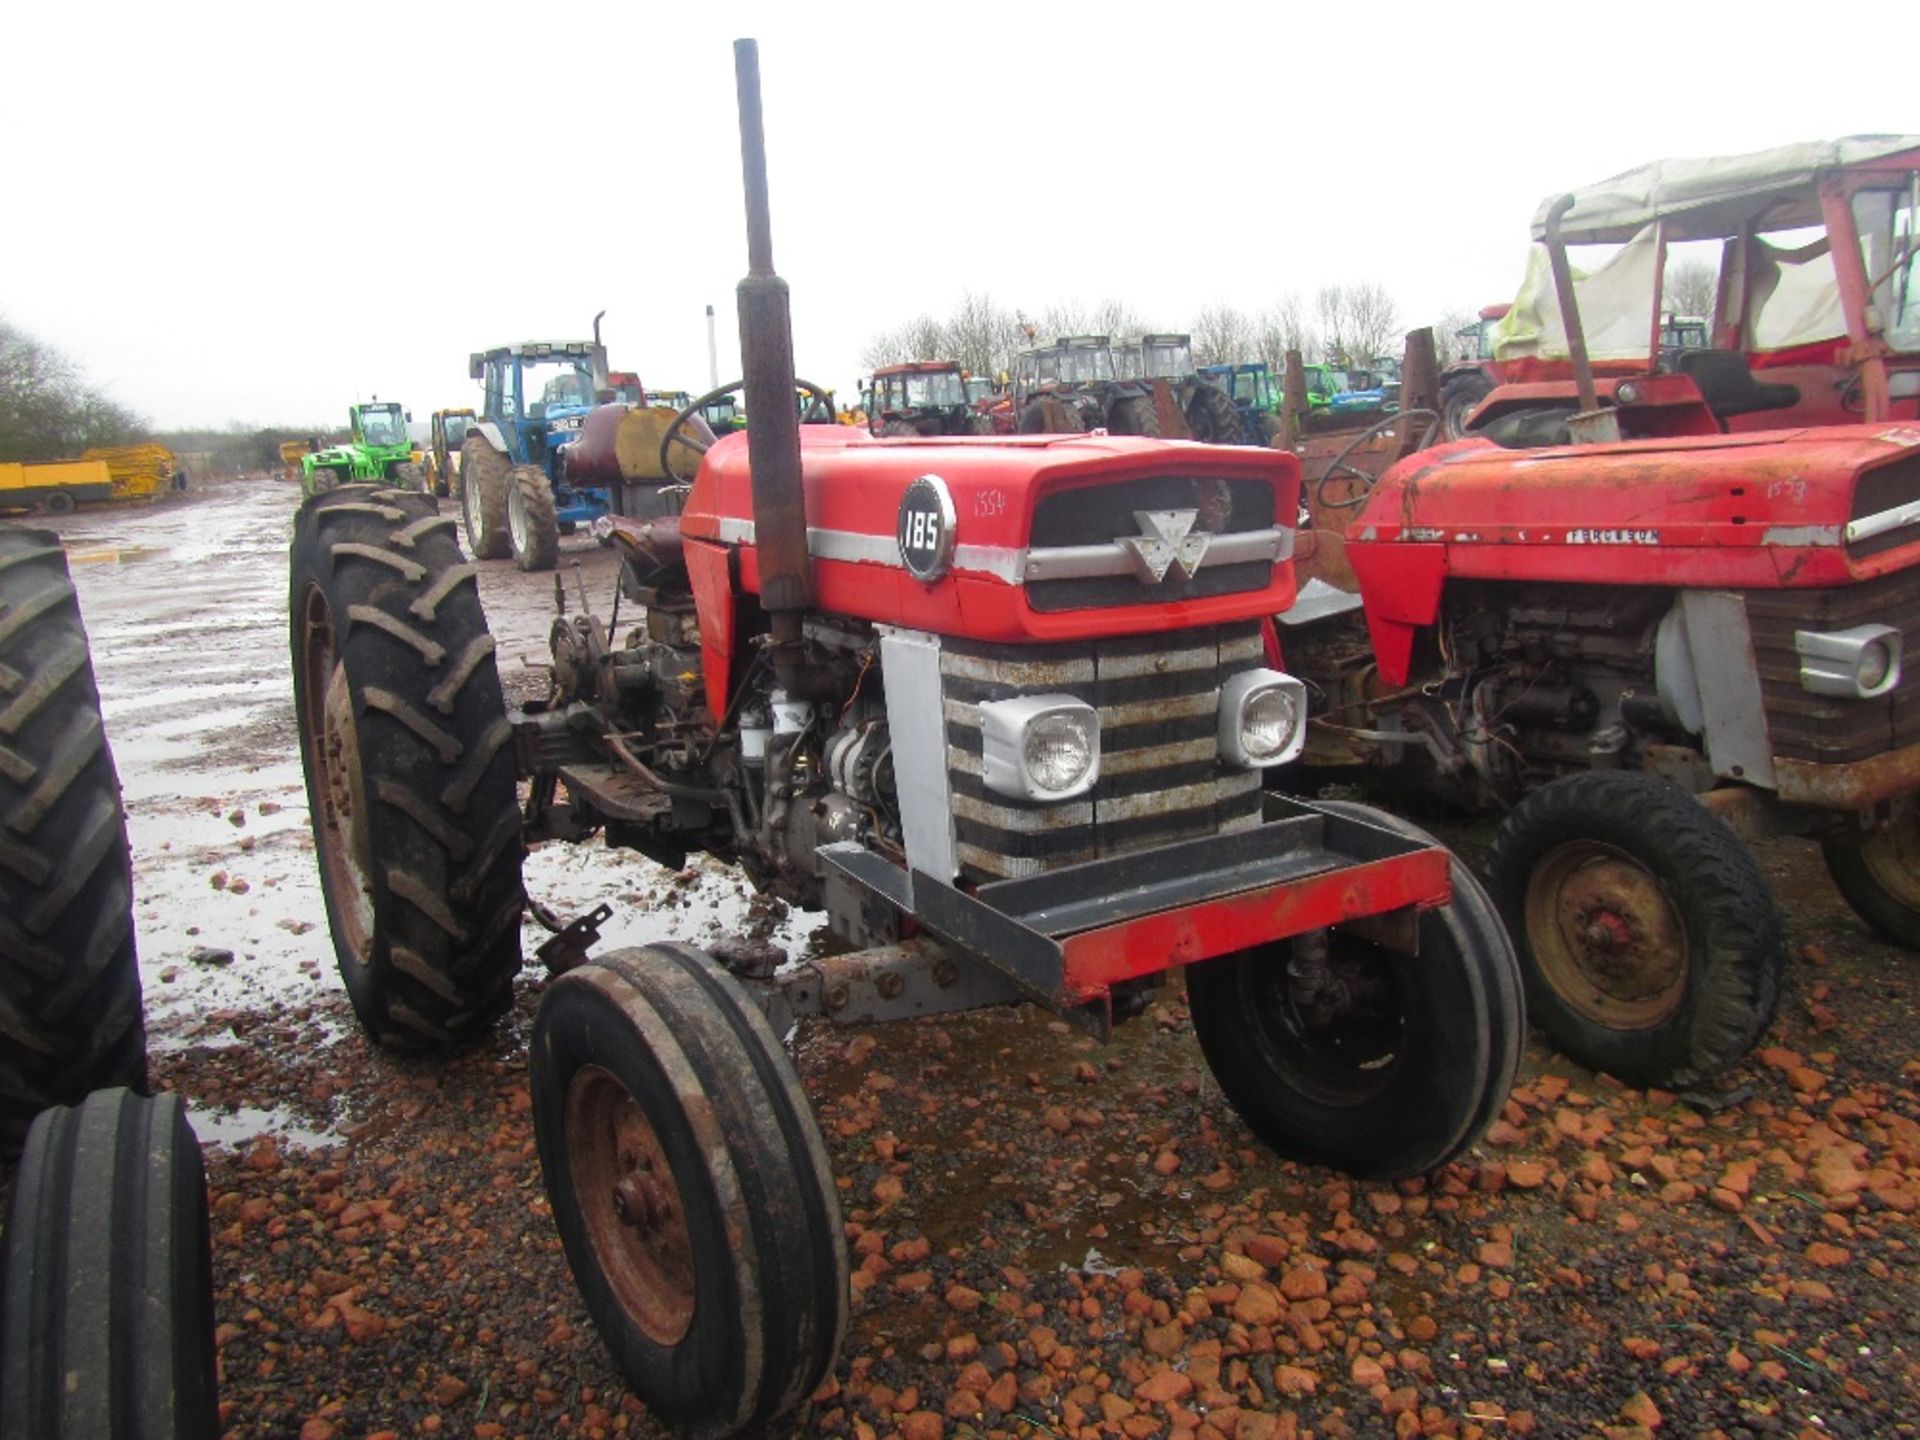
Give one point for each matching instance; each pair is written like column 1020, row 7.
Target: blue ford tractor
column 516, row 498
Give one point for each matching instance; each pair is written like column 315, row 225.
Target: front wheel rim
column 1606, row 936
column 630, row 1205
column 341, row 830
column 1891, row 855
column 517, row 518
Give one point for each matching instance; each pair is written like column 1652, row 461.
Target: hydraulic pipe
column 773, row 417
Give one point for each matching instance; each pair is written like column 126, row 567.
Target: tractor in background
column 1146, row 387
column 446, row 433
column 1645, row 638
column 517, row 498
column 1255, row 394
column 378, row 447
column 923, row 397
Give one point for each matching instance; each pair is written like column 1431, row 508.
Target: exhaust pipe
column 773, row 418
column 1591, row 425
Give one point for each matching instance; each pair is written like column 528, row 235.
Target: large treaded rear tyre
column 70, row 1018
column 106, row 1329
column 1459, row 398
column 1134, row 415
column 691, row 1188
column 1410, row 1076
column 1647, row 932
column 533, row 531
column 483, row 498
column 409, row 764
column 409, row 476
column 1213, row 417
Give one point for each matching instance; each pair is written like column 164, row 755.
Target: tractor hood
column 1005, row 538
column 1803, row 507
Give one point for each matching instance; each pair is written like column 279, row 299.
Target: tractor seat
column 1727, row 385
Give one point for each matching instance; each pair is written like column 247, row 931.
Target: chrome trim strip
column 1014, row 566
column 1898, row 518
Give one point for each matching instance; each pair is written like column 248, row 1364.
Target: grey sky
column 259, row 213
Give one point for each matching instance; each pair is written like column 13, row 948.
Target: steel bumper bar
column 1064, row 938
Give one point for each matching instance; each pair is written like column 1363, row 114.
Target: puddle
column 236, row 1128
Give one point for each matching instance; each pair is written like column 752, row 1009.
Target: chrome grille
column 1160, row 773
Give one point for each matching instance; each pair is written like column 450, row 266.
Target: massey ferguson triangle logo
column 1166, row 539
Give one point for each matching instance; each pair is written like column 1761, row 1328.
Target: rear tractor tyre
column 409, row 476
column 106, row 1329
column 1401, row 1079
column 532, row 530
column 691, row 1189
column 1050, row 415
column 409, row 764
column 70, row 1018
column 1213, row 417
column 1647, row 934
column 1459, row 398
column 1878, row 874
column 1134, row 415
column 483, row 498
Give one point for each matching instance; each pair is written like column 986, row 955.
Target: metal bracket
column 567, row 947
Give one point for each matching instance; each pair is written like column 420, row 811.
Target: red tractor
column 923, row 397
column 1816, row 320
column 1001, row 709
column 1637, row 647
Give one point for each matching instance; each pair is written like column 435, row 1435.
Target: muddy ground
column 1051, row 1238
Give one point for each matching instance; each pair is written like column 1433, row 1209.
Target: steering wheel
column 818, row 410
column 1338, row 465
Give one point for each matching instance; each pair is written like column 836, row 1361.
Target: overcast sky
column 258, row 213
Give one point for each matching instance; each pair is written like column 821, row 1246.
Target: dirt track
column 1051, row 1239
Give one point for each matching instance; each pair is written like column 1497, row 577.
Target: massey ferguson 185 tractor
column 999, row 708
column 1645, row 645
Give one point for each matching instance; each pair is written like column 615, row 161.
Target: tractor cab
column 380, row 426
column 1816, row 312
column 924, row 397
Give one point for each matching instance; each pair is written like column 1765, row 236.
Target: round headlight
column 1268, row 723
column 1627, row 393
column 1057, row 753
column 1876, row 660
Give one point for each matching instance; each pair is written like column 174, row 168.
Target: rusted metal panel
column 1858, row 786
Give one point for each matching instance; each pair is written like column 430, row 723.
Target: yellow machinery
column 291, row 452
column 446, row 432
column 56, row 488
column 140, row 472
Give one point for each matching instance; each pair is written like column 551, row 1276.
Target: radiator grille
column 1096, row 514
column 1160, row 774
column 1833, row 729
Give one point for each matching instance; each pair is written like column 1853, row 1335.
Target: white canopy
column 1707, row 199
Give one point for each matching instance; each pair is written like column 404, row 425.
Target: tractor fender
column 491, row 430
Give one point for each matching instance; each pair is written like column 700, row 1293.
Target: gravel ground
column 1051, row 1238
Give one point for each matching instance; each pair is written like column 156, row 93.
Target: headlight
column 602, row 527
column 1861, row 662
column 1040, row 747
column 1263, row 718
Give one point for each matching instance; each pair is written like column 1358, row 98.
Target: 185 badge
column 925, row 529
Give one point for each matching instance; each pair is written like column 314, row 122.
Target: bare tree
column 1690, row 287
column 1222, row 335
column 1283, row 327
column 1372, row 320
column 1455, row 335
column 46, row 411
column 1330, row 306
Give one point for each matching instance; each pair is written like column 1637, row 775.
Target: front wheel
column 1395, row 1065
column 483, row 498
column 1647, row 934
column 691, row 1188
column 407, row 749
column 1878, row 874
column 1134, row 415
column 533, row 531
column 1213, row 417
column 107, row 1324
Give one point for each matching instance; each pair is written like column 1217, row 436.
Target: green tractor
column 380, row 449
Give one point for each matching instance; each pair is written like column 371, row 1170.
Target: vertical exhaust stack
column 773, row 418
